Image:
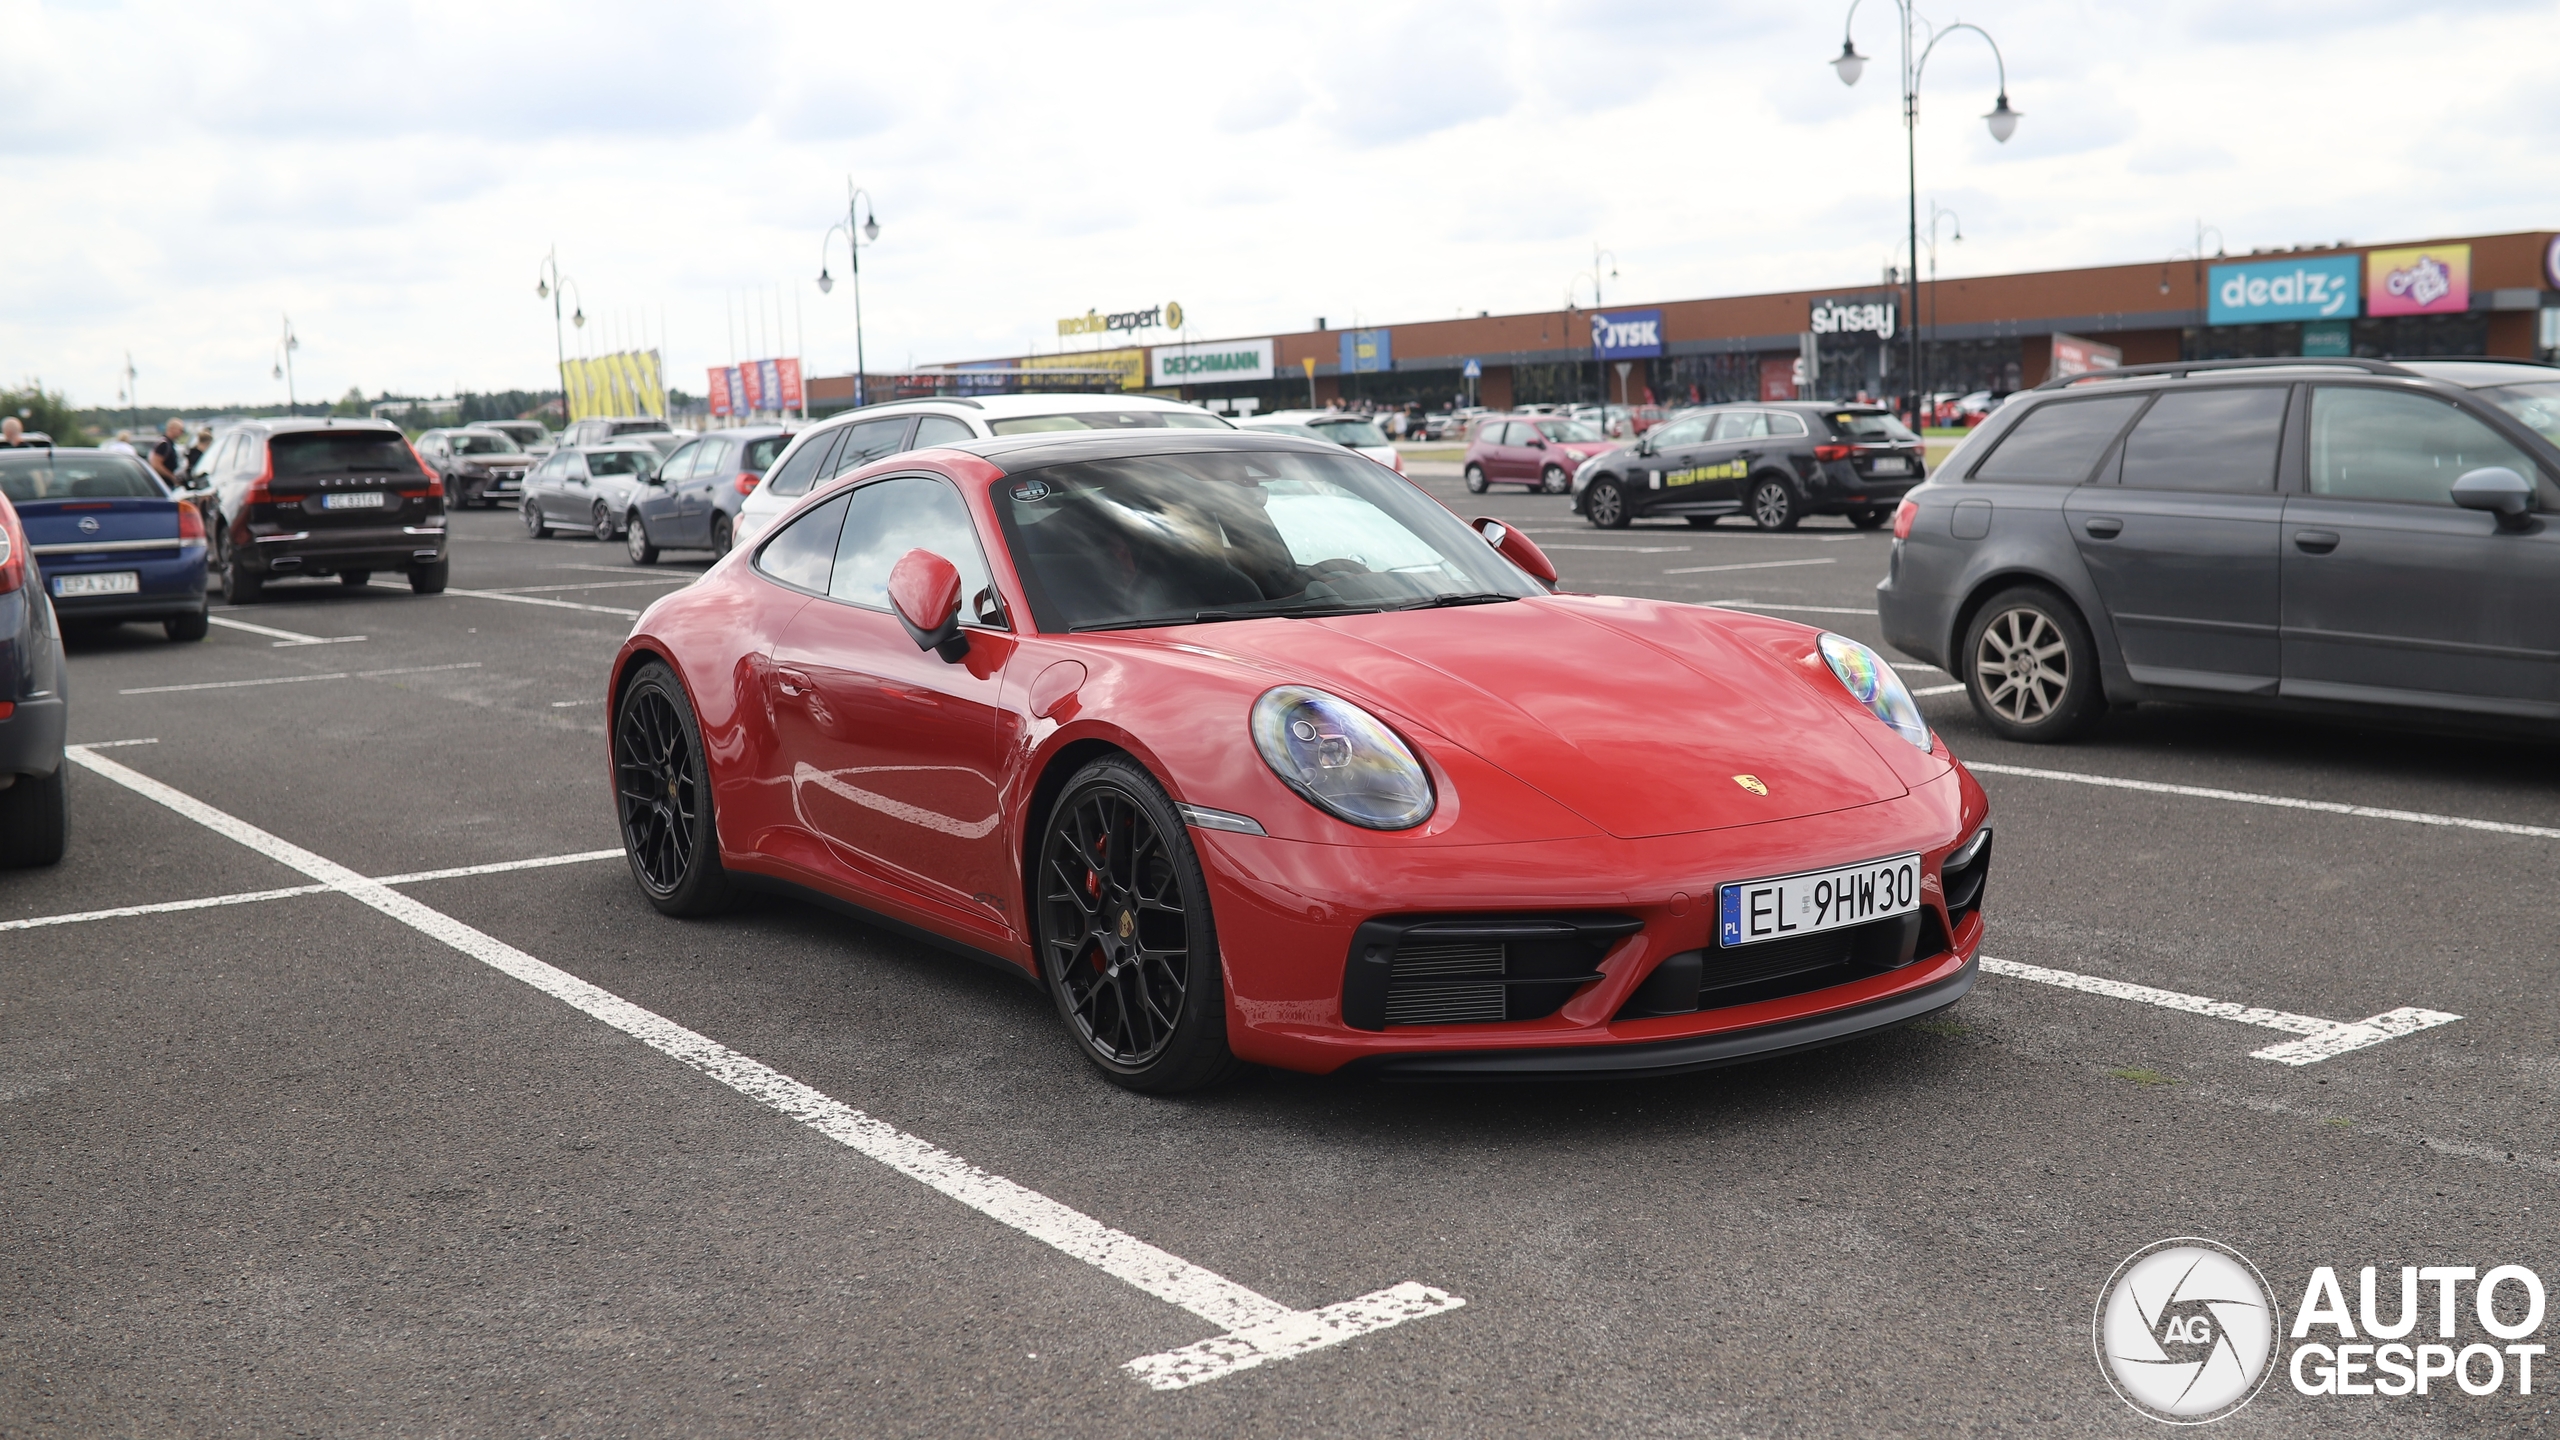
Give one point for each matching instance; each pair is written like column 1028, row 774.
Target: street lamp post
column 1936, row 214
column 1599, row 368
column 285, row 346
column 861, row 227
column 1849, row 64
column 547, row 285
column 2195, row 261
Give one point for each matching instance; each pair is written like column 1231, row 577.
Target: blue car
column 113, row 542
column 33, row 812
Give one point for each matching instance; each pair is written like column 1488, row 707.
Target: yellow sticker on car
column 1728, row 470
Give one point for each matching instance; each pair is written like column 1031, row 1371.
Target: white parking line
column 2283, row 802
column 673, row 577
column 296, row 679
column 2322, row 1039
column 250, row 897
column 541, row 600
column 1936, row 689
column 1753, row 565
column 1257, row 1329
column 284, row 637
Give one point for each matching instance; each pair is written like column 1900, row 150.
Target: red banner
column 718, row 391
column 789, row 366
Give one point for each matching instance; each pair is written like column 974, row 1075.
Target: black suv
column 2342, row 534
column 481, row 465
column 323, row 497
column 1776, row 461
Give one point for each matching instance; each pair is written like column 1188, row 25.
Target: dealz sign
column 1855, row 315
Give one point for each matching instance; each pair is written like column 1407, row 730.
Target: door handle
column 2103, row 527
column 2315, row 542
column 792, row 682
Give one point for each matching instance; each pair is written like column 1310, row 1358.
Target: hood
column 1634, row 714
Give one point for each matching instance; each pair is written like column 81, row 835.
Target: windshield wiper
column 1130, row 622
column 1290, row 612
column 1468, row 597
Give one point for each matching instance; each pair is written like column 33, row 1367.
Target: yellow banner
column 1131, row 365
column 628, row 382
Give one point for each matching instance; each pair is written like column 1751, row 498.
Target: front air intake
column 1470, row 970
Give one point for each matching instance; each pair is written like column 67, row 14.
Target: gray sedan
column 587, row 488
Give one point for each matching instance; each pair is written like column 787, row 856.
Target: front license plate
column 114, row 582
column 1889, row 465
column 1819, row 900
column 357, row 500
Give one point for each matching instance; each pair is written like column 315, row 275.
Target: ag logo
column 2184, row 1331
column 1751, row 783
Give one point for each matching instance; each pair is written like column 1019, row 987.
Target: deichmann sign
column 1627, row 334
column 2257, row 293
column 1167, row 316
column 1854, row 315
column 1212, row 364
column 2425, row 280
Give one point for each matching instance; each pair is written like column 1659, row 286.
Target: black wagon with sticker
column 1774, row 462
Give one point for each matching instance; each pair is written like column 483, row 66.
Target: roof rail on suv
column 2184, row 367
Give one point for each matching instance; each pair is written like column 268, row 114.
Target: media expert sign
column 1367, row 351
column 2261, row 291
column 1212, row 364
column 1854, row 315
column 1093, row 322
column 2424, row 280
column 1627, row 334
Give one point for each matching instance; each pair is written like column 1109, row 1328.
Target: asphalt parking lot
column 407, row 1133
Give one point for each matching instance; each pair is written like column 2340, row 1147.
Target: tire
column 1605, row 506
column 635, row 540
column 1128, row 948
column 1869, row 519
column 35, row 818
column 354, row 579
column 429, row 579
column 1774, row 505
column 662, row 798
column 240, row 584
column 2030, row 667
column 535, row 525
column 461, row 495
column 193, row 625
column 1555, row 481
column 1476, row 483
column 722, row 533
column 1702, row 522
column 600, row 523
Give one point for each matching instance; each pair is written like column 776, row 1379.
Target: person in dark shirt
column 169, row 455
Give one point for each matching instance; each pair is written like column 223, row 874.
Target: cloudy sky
column 182, row 176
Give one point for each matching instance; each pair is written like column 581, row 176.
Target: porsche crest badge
column 1751, row 783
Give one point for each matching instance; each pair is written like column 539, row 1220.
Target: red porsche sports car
column 1247, row 751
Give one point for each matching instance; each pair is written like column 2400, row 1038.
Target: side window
column 680, row 464
column 1682, row 433
column 804, row 551
column 935, row 430
column 801, row 470
column 890, row 517
column 574, row 468
column 2059, row 442
column 710, row 458
column 2208, row 440
column 869, row 441
column 1782, row 423
column 1742, row 425
column 1515, row 432
column 2375, row 444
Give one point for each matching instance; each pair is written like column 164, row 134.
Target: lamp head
column 826, row 282
column 2002, row 119
column 541, row 289
column 871, row 226
column 579, row 318
column 1849, row 63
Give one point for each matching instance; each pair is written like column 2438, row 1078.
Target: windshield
column 1110, row 420
column 642, row 428
column 1349, row 430
column 61, row 476
column 1230, row 535
column 1573, row 430
column 1285, row 427
column 622, row 462
column 342, row 452
column 760, row 453
column 662, row 441
column 489, row 444
column 1869, row 425
column 2535, row 405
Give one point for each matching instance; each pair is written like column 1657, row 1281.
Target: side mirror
column 1517, row 548
column 925, row 590
column 2496, row 489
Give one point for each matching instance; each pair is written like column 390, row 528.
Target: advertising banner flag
column 750, row 378
column 787, row 369
column 2424, row 280
column 2293, row 289
column 716, row 393
column 769, row 384
column 625, row 383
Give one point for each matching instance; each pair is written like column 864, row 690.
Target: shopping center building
column 2474, row 295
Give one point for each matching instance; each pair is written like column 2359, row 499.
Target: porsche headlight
column 1340, row 759
column 1874, row 684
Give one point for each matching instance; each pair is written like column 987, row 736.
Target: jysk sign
column 1627, row 334
column 1854, row 315
column 1212, row 364
column 2297, row 289
column 1367, row 351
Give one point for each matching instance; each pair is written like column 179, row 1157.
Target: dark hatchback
column 114, row 543
column 34, row 791
column 2346, row 535
column 1776, row 462
column 319, row 497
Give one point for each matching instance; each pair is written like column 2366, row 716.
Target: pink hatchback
column 1539, row 451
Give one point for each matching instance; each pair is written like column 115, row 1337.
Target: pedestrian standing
column 197, row 451
column 13, row 436
column 121, row 445
column 169, row 453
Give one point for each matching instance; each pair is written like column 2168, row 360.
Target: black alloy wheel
column 635, row 540
column 1605, row 506
column 430, row 579
column 662, row 790
column 1774, row 505
column 1476, row 483
column 721, row 534
column 240, row 584
column 1555, row 481
column 535, row 524
column 1869, row 519
column 354, row 579
column 1127, row 947
column 2030, row 667
column 600, row 523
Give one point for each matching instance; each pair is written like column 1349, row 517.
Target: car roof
column 1016, row 453
column 296, row 424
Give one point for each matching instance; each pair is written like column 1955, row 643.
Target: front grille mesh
column 1446, row 1004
